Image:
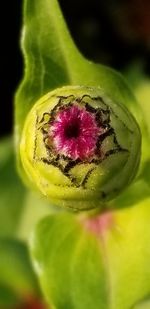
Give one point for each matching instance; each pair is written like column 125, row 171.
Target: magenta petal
column 74, row 133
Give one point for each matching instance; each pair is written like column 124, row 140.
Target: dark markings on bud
column 89, row 108
column 65, row 163
column 35, row 139
column 85, row 180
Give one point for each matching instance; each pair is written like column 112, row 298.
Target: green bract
column 66, row 178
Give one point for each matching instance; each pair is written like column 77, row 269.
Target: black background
column 94, row 28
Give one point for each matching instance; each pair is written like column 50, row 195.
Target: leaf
column 128, row 254
column 144, row 304
column 20, row 209
column 135, row 193
column 8, row 299
column 142, row 92
column 12, row 192
column 16, row 271
column 145, row 173
column 35, row 208
column 46, row 44
column 141, row 86
column 69, row 264
column 94, row 262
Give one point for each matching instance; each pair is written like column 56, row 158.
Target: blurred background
column 113, row 32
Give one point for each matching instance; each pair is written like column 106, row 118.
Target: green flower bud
column 79, row 147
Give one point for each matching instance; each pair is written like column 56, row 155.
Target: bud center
column 72, row 130
column 74, row 133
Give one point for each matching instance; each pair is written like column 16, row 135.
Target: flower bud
column 79, row 147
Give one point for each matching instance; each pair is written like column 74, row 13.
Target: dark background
column 113, row 32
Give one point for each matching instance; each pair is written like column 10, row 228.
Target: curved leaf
column 8, row 298
column 12, row 192
column 94, row 262
column 69, row 264
column 15, row 268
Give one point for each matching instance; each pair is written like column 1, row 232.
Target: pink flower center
column 72, row 130
column 74, row 133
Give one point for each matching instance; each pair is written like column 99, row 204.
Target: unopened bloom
column 79, row 147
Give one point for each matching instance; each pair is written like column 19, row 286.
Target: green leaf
column 141, row 86
column 145, row 173
column 144, row 304
column 8, row 298
column 135, row 193
column 128, row 254
column 35, row 208
column 94, row 262
column 142, row 92
column 20, row 209
column 46, row 44
column 69, row 264
column 12, row 192
column 16, row 271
